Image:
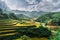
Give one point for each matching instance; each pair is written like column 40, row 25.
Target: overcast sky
column 34, row 5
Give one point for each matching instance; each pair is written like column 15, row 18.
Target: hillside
column 50, row 17
column 7, row 16
column 3, row 15
column 22, row 17
column 12, row 15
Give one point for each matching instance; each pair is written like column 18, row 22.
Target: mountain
column 7, row 16
column 22, row 17
column 12, row 15
column 32, row 14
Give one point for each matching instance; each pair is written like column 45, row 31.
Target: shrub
column 24, row 37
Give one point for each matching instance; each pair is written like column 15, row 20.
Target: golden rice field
column 8, row 28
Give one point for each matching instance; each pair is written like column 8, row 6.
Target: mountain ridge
column 32, row 14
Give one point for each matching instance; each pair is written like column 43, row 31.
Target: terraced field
column 6, row 29
column 9, row 29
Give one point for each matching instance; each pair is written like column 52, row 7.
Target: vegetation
column 35, row 32
column 56, row 36
column 56, row 21
column 10, row 26
column 24, row 37
column 22, row 17
column 3, row 15
column 52, row 17
column 13, row 16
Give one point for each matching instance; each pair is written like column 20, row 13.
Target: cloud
column 3, row 5
column 2, row 0
column 31, row 1
column 46, row 5
column 34, row 5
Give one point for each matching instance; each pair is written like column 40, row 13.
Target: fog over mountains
column 29, row 14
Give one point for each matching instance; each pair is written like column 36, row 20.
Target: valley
column 19, row 27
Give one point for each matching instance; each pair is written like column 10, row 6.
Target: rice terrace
column 29, row 20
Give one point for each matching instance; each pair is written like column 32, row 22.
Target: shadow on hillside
column 28, row 31
column 15, row 36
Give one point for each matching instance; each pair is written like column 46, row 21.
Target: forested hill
column 54, row 17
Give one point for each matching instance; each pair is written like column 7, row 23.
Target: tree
column 56, row 21
column 24, row 37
